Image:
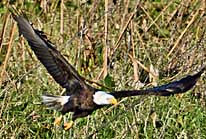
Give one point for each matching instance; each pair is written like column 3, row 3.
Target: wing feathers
column 175, row 87
column 55, row 63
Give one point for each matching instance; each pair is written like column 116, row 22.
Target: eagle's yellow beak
column 113, row 101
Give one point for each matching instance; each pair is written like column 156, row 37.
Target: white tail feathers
column 55, row 102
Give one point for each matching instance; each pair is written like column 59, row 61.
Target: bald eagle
column 81, row 98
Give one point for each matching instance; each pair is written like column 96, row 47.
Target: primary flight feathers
column 175, row 87
column 62, row 72
column 81, row 98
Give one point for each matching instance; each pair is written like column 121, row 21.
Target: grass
column 166, row 37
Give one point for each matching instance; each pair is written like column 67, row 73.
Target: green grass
column 23, row 83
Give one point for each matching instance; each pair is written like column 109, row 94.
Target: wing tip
column 198, row 74
column 14, row 12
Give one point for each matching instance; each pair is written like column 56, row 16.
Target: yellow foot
column 58, row 120
column 68, row 125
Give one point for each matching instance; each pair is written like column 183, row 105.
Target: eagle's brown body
column 81, row 104
column 81, row 94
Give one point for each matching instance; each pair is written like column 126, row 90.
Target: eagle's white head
column 103, row 98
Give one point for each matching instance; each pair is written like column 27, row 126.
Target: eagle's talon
column 58, row 121
column 68, row 125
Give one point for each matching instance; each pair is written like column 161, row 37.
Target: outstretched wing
column 175, row 87
column 62, row 72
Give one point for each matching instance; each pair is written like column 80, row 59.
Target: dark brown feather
column 62, row 72
column 81, row 103
column 180, row 86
